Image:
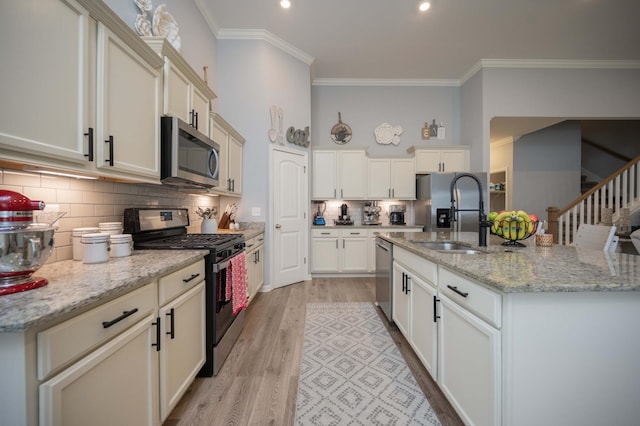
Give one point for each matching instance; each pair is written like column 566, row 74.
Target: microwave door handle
column 214, row 153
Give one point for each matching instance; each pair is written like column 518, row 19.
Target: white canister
column 120, row 245
column 76, row 239
column 111, row 228
column 209, row 226
column 95, row 248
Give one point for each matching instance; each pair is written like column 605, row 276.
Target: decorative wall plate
column 387, row 134
column 341, row 132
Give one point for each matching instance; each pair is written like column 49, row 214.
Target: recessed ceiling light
column 285, row 4
column 424, row 6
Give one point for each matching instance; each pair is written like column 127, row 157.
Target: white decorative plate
column 387, row 134
column 165, row 26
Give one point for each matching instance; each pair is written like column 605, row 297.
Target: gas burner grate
column 194, row 241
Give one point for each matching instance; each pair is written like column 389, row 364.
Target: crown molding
column 409, row 82
column 207, row 17
column 233, row 34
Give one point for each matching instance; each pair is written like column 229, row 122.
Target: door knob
column 278, row 226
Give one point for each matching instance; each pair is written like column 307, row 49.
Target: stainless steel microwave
column 189, row 159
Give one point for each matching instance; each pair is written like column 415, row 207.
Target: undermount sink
column 447, row 247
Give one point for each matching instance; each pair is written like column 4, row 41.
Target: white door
column 289, row 219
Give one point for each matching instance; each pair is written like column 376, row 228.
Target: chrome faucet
column 482, row 217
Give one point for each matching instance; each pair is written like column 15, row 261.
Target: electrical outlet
column 255, row 211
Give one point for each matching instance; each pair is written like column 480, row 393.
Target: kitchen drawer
column 354, row 233
column 250, row 244
column 325, row 232
column 478, row 299
column 65, row 342
column 172, row 285
column 423, row 267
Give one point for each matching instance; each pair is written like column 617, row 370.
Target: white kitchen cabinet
column 339, row 251
column 401, row 299
column 231, row 154
column 182, row 351
column 441, row 160
column 470, row 348
column 339, row 175
column 186, row 95
column 255, row 265
column 391, row 179
column 129, row 92
column 104, row 358
column 105, row 86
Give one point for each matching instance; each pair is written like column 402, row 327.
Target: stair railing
column 618, row 191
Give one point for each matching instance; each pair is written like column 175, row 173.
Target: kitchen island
column 523, row 336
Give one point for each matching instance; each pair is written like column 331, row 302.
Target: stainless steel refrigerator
column 432, row 207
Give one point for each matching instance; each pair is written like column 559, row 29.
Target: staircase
column 618, row 191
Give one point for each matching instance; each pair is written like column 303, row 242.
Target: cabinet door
column 352, row 175
column 400, row 300
column 428, row 161
column 469, row 362
column 117, row 384
column 325, row 256
column 259, row 268
column 354, row 254
column 128, row 109
column 200, row 111
column 424, row 331
column 235, row 165
column 177, row 102
column 455, row 161
column 378, row 179
column 403, row 179
column 220, row 135
column 182, row 352
column 324, row 182
column 45, row 79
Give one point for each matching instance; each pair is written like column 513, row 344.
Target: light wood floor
column 257, row 384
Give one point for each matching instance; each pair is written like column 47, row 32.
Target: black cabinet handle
column 408, row 289
column 157, row 324
column 191, row 278
column 110, row 159
column 171, row 332
column 191, row 115
column 196, row 119
column 89, row 136
column 125, row 314
column 455, row 290
column 404, row 282
column 435, row 309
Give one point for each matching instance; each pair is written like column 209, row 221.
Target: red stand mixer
column 24, row 246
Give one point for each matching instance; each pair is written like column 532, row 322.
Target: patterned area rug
column 352, row 373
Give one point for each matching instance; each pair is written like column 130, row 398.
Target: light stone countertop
column 529, row 269
column 76, row 287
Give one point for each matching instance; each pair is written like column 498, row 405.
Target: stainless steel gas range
column 158, row 228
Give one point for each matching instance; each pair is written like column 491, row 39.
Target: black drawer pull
column 125, row 314
column 157, row 324
column 455, row 289
column 191, row 278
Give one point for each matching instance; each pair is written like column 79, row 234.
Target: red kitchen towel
column 237, row 283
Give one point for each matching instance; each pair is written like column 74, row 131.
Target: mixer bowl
column 22, row 252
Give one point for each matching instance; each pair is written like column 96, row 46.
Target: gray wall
column 364, row 108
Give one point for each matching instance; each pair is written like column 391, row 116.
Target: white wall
column 364, row 108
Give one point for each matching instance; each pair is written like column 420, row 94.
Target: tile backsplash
column 89, row 202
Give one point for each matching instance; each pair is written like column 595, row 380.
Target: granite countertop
column 248, row 229
column 75, row 287
column 529, row 269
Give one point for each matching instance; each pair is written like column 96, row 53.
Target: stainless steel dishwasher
column 384, row 276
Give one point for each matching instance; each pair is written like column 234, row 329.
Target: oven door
column 223, row 299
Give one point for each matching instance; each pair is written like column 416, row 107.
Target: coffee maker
column 371, row 213
column 344, row 218
column 396, row 214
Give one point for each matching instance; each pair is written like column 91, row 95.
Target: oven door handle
column 221, row 266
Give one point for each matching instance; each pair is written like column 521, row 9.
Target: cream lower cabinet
column 255, row 264
column 339, row 251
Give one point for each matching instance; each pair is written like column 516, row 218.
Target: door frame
column 269, row 228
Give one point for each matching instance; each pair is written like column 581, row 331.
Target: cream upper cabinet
column 391, row 179
column 128, row 109
column 339, row 175
column 231, row 155
column 106, row 88
column 186, row 95
column 433, row 160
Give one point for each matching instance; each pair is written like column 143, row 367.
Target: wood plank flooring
column 258, row 382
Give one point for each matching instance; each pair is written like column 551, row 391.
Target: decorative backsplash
column 89, row 202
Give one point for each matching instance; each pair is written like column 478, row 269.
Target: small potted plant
column 209, row 223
